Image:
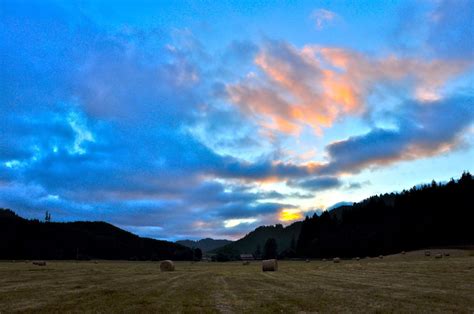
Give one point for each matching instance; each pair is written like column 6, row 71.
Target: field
column 398, row 283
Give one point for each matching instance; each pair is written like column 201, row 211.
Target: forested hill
column 254, row 242
column 205, row 245
column 426, row 216
column 32, row 239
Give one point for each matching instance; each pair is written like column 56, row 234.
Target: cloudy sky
column 188, row 119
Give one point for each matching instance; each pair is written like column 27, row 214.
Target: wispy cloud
column 322, row 17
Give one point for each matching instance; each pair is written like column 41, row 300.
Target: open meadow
column 398, row 283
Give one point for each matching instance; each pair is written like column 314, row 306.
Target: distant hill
column 205, row 245
column 32, row 239
column 256, row 239
column 339, row 204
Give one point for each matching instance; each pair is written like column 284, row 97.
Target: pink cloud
column 314, row 86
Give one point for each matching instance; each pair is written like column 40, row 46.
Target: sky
column 192, row 119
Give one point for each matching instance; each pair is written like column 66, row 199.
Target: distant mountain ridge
column 255, row 240
column 31, row 239
column 206, row 244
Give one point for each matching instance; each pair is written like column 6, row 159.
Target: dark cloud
column 25, row 134
column 317, row 183
column 357, row 185
column 233, row 168
column 423, row 129
column 241, row 50
column 301, row 196
column 245, row 210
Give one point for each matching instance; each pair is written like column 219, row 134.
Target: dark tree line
column 254, row 242
column 426, row 216
column 32, row 239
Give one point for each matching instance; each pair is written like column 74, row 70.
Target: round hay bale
column 269, row 265
column 403, row 252
column 357, row 258
column 246, row 263
column 380, row 256
column 324, row 260
column 39, row 263
column 167, row 265
column 439, row 255
column 336, row 260
column 427, row 253
column 307, row 260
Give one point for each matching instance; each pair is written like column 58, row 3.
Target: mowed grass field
column 398, row 283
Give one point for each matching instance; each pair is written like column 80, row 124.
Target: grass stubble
column 398, row 283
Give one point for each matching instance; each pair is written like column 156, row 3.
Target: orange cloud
column 314, row 86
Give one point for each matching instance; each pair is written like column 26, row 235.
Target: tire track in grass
column 221, row 295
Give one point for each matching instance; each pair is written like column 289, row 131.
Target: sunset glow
column 287, row 215
column 190, row 119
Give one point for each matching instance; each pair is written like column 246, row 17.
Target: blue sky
column 189, row 119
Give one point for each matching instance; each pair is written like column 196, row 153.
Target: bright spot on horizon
column 290, row 214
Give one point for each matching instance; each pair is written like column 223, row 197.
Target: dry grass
column 403, row 283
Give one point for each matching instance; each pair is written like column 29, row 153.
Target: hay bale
column 324, row 260
column 307, row 261
column 246, row 263
column 336, row 260
column 427, row 253
column 380, row 256
column 439, row 255
column 269, row 265
column 39, row 263
column 357, row 258
column 403, row 252
column 167, row 265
